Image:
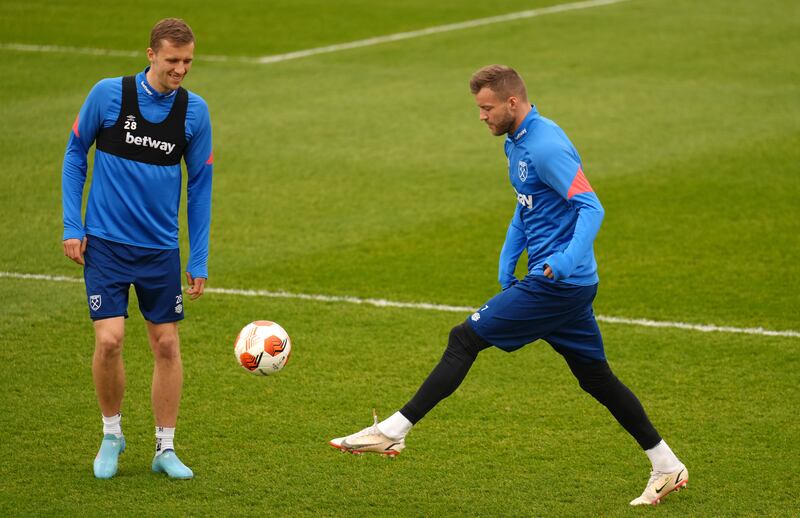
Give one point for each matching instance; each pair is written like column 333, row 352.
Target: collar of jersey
column 143, row 85
column 524, row 128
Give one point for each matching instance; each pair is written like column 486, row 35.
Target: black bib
column 134, row 138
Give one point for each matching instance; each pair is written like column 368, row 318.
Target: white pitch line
column 61, row 49
column 436, row 30
column 383, row 303
column 262, row 60
column 706, row 328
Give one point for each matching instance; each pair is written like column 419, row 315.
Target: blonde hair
column 174, row 30
column 502, row 80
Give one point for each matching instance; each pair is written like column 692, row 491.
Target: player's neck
column 525, row 109
column 151, row 80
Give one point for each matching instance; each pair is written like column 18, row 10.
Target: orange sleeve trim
column 579, row 184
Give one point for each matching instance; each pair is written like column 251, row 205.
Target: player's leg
column 107, row 285
column 517, row 316
column 581, row 345
column 166, row 396
column 167, row 373
column 108, row 371
column 388, row 436
column 668, row 472
column 596, row 378
column 511, row 319
column 462, row 349
column 158, row 287
column 108, row 374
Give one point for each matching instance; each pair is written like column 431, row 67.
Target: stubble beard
column 504, row 127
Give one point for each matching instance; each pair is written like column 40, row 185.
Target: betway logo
column 526, row 200
column 149, row 142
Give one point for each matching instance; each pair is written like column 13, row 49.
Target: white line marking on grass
column 706, row 328
column 61, row 49
column 436, row 30
column 383, row 303
column 480, row 22
column 40, row 277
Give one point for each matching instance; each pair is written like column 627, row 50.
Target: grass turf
column 366, row 173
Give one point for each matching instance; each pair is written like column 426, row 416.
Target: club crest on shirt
column 523, row 170
column 95, row 301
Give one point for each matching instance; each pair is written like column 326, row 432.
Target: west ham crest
column 95, row 302
column 523, row 170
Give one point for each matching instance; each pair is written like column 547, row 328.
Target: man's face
column 496, row 113
column 169, row 65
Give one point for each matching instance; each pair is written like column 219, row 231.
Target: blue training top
column 558, row 214
column 132, row 202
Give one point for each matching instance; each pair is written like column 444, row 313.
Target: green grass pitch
column 366, row 173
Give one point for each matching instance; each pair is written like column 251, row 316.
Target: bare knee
column 166, row 347
column 108, row 344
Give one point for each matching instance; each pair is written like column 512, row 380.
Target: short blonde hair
column 502, row 80
column 174, row 30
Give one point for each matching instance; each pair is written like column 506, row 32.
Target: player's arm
column 199, row 166
column 512, row 250
column 561, row 170
column 73, row 171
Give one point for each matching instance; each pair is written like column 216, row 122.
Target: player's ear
column 151, row 55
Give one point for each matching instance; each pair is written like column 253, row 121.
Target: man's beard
column 504, row 126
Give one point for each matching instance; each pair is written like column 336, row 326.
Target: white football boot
column 662, row 484
column 369, row 440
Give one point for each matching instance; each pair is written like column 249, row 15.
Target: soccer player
column 556, row 219
column 142, row 126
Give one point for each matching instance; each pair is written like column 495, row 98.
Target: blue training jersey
column 557, row 215
column 132, row 202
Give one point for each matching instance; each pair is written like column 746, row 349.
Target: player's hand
column 548, row 272
column 196, row 286
column 74, row 249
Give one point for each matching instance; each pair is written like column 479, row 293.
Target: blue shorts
column 538, row 308
column 110, row 270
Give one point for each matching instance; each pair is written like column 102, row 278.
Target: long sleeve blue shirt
column 132, row 202
column 557, row 215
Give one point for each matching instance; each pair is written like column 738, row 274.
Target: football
column 263, row 347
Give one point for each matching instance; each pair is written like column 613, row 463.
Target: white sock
column 396, row 426
column 662, row 458
column 113, row 425
column 165, row 438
